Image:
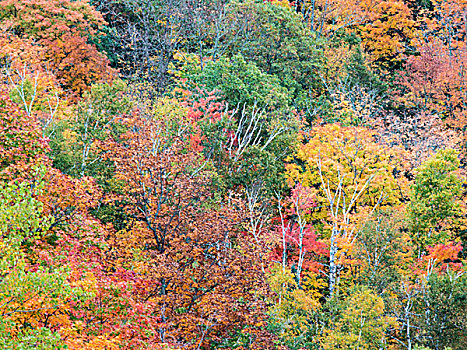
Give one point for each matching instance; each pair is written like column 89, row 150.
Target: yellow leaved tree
column 353, row 176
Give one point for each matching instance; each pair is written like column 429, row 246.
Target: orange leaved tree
column 202, row 276
column 63, row 29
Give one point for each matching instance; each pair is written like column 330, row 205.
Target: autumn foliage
column 63, row 30
column 233, row 174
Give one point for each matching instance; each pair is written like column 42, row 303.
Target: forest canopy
column 233, row 174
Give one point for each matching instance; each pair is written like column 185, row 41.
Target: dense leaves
column 242, row 174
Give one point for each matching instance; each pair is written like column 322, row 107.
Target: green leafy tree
column 385, row 251
column 443, row 312
column 73, row 143
column 435, row 206
column 360, row 323
column 249, row 133
column 278, row 41
column 240, row 81
column 27, row 295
